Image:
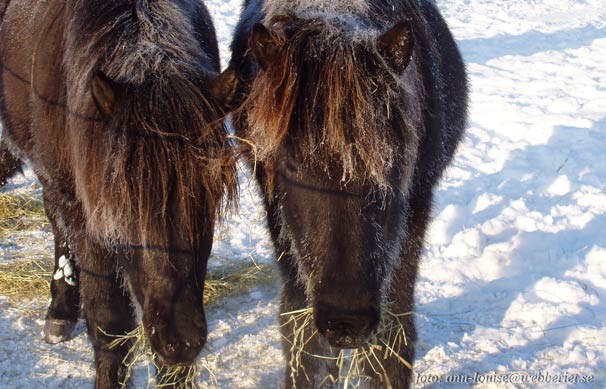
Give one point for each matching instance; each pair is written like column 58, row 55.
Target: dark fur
column 134, row 171
column 9, row 165
column 348, row 170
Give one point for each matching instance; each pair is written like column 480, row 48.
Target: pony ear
column 396, row 45
column 223, row 88
column 105, row 92
column 263, row 45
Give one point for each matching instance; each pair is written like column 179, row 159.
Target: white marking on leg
column 65, row 271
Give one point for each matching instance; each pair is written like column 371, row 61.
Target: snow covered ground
column 514, row 275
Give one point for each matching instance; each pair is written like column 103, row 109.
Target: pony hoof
column 57, row 331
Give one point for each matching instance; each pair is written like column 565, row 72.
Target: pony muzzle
column 178, row 335
column 346, row 328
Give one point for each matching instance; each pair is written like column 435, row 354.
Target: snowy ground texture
column 514, row 276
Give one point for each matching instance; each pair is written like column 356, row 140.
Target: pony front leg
column 389, row 365
column 108, row 312
column 310, row 361
column 397, row 367
column 64, row 309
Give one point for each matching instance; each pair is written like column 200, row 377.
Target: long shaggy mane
column 165, row 148
column 333, row 100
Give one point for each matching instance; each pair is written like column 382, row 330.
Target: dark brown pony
column 354, row 108
column 112, row 104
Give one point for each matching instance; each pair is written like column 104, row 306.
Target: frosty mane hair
column 307, row 8
column 331, row 91
column 162, row 147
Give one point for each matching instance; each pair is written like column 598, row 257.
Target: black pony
column 115, row 105
column 354, row 109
